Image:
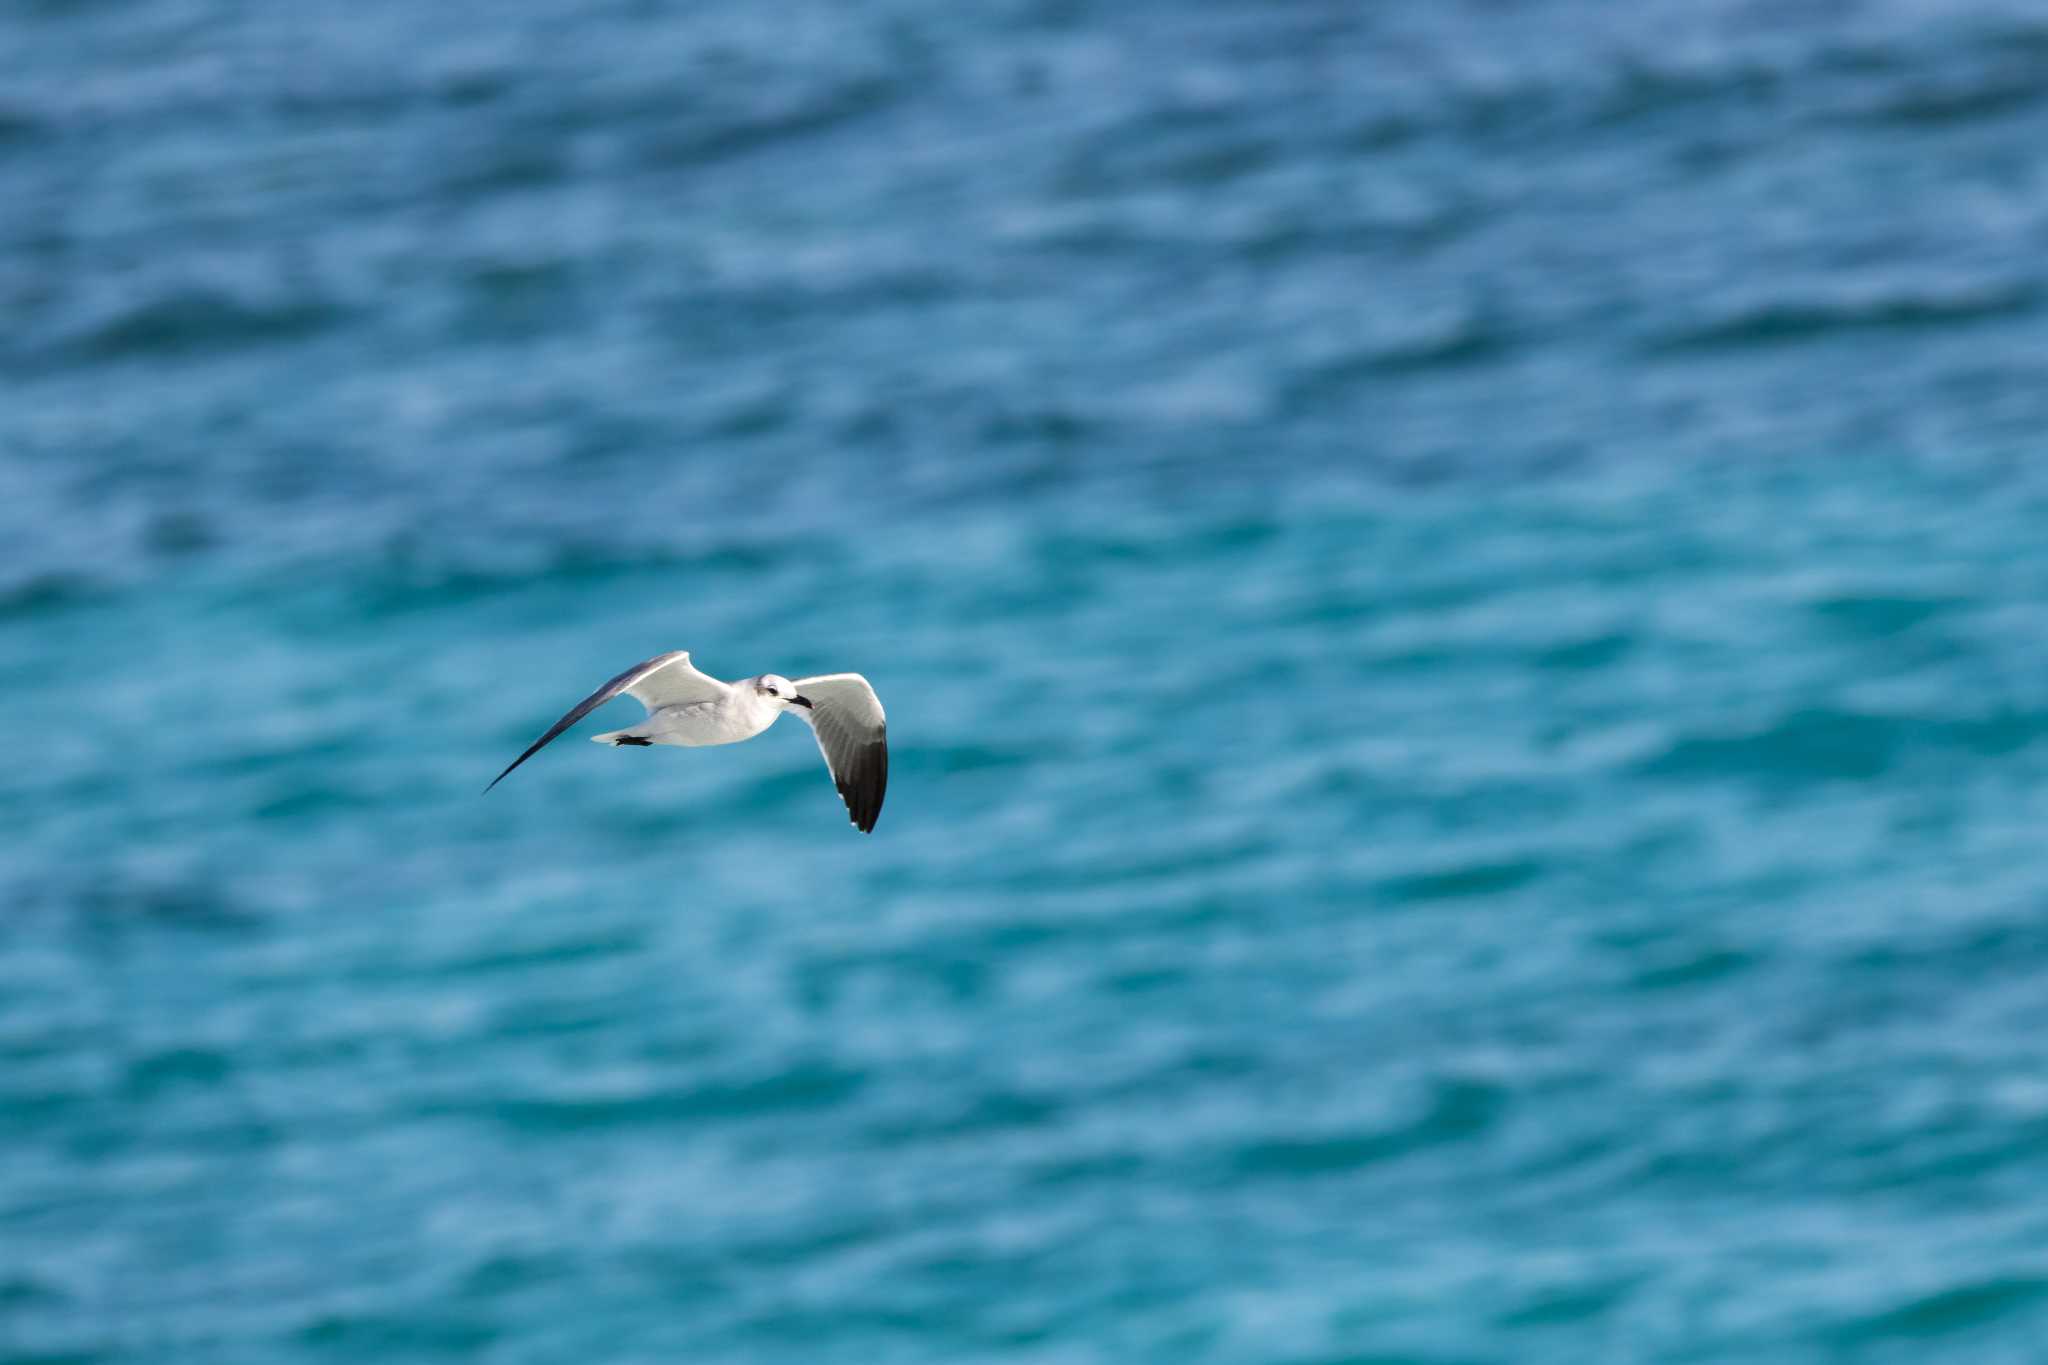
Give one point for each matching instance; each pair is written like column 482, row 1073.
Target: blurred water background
column 1461, row 592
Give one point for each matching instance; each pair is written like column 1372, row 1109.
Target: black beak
column 804, row 702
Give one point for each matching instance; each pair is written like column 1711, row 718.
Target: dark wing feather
column 591, row 703
column 847, row 718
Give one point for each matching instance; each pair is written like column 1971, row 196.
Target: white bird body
column 734, row 717
column 691, row 709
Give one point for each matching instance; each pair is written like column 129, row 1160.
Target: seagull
column 692, row 708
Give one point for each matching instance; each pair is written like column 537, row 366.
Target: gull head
column 779, row 691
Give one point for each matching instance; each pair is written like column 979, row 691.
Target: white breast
column 726, row 721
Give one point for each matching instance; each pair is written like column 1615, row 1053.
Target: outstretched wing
column 846, row 715
column 664, row 680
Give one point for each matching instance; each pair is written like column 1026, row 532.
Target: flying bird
column 691, row 708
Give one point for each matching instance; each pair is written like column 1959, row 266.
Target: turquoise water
column 1461, row 595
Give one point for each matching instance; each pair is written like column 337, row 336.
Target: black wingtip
column 869, row 783
column 508, row 770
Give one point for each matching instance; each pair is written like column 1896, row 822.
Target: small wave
column 1958, row 1308
column 1616, row 95
column 427, row 1333
column 758, row 414
column 24, row 1291
column 298, row 802
column 1712, row 964
column 1887, row 83
column 1465, row 342
column 1058, row 428
column 1642, row 89
column 1135, row 156
column 963, row 758
column 468, row 87
column 1938, row 104
column 1992, row 73
column 514, row 298
column 174, row 1068
column 418, row 574
column 1457, row 344
column 1588, row 653
column 18, row 125
column 511, row 1272
column 1785, row 320
column 1457, row 1110
column 1830, row 744
column 519, row 164
column 45, row 593
column 1879, row 616
column 1482, row 878
column 798, row 1089
column 200, row 320
column 192, row 902
column 990, row 1112
column 742, row 135
column 1558, row 1306
column 516, row 958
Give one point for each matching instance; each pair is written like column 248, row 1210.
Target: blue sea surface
column 1462, row 595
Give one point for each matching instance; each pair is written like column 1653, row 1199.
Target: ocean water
column 1461, row 590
